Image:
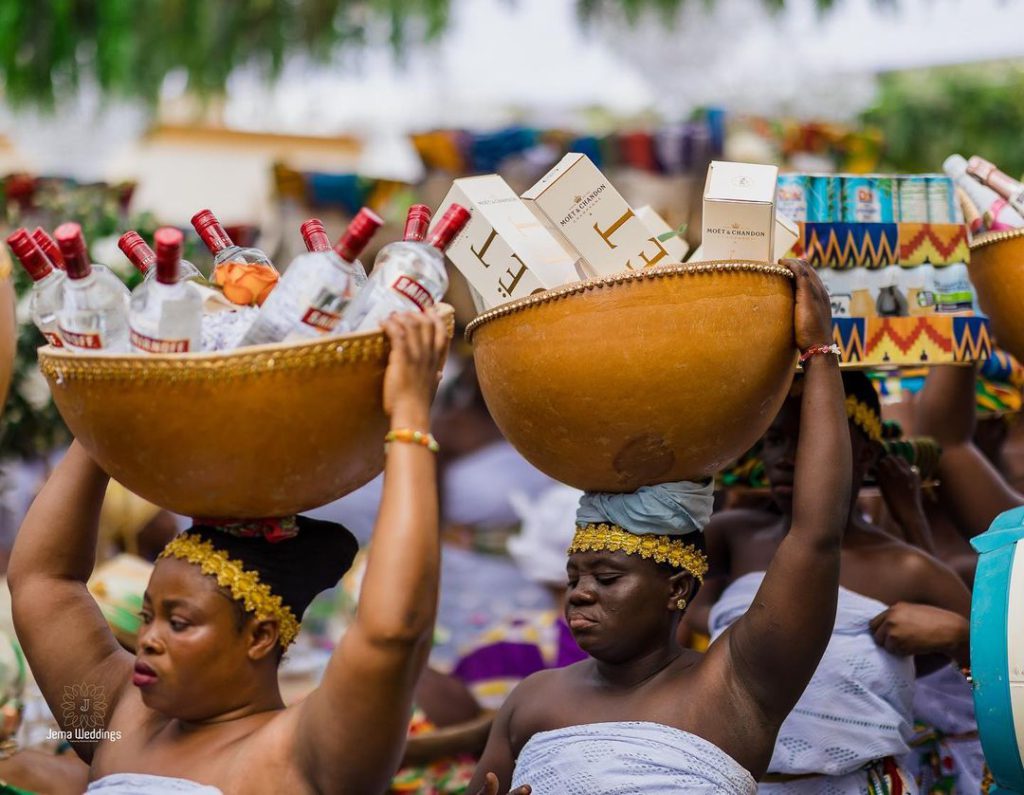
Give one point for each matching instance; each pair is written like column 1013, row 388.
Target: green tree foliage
column 974, row 110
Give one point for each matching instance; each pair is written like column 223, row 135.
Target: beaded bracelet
column 816, row 350
column 412, row 437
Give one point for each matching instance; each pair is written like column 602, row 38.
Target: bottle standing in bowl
column 315, row 237
column 1003, row 184
column 143, row 257
column 166, row 311
column 49, row 247
column 316, row 287
column 995, row 210
column 93, row 316
column 406, row 276
column 47, row 284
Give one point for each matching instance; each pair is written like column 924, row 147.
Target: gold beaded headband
column 661, row 549
column 244, row 585
column 864, row 417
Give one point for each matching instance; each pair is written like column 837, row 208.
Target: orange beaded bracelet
column 410, row 436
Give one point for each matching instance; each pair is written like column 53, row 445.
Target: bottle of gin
column 166, row 311
column 406, row 276
column 316, row 287
column 47, row 284
column 93, row 316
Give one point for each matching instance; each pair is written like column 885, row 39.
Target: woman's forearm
column 399, row 594
column 58, row 537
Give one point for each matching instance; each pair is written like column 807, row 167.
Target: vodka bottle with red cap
column 406, row 276
column 996, row 212
column 166, row 311
column 316, row 287
column 47, row 284
column 49, row 247
column 1006, row 186
column 223, row 247
column 315, row 237
column 143, row 257
column 93, row 316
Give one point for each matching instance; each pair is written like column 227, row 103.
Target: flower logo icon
column 84, row 706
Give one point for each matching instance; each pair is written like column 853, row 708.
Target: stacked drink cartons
column 892, row 251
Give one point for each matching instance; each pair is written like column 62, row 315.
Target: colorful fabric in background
column 443, row 777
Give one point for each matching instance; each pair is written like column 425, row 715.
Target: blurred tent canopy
column 128, row 47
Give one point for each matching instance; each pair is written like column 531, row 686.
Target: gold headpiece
column 244, row 585
column 864, row 417
column 661, row 549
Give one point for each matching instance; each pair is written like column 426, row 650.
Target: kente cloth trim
column 865, row 418
column 661, row 549
column 245, row 586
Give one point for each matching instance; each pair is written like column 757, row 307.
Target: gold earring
column 681, row 604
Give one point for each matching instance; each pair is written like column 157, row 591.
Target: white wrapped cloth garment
column 855, row 712
column 623, row 758
column 144, row 784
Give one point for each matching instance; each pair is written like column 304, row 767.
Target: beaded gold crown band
column 245, row 586
column 864, row 417
column 661, row 549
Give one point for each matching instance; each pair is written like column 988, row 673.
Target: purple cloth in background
column 516, row 659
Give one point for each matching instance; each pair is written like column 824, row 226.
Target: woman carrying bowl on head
column 197, row 708
column 642, row 714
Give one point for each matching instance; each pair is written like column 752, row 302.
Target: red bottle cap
column 168, row 242
column 72, row 246
column 49, row 246
column 449, row 226
column 211, row 231
column 137, row 250
column 416, row 223
column 315, row 236
column 32, row 258
column 360, row 230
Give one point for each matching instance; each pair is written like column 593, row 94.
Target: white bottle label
column 414, row 291
column 90, row 341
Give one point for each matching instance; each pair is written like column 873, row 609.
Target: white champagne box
column 580, row 206
column 503, row 251
column 676, row 247
column 787, row 232
column 739, row 212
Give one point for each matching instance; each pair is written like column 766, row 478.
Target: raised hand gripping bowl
column 653, row 376
column 262, row 431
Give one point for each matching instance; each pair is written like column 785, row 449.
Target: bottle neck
column 315, row 237
column 215, row 238
column 1003, row 184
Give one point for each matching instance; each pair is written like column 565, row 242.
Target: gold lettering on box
column 662, row 253
column 483, row 249
column 607, row 234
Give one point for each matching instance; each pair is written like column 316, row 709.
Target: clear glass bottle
column 143, row 257
column 93, row 316
column 166, row 311
column 47, row 284
column 49, row 247
column 316, row 287
column 221, row 246
column 406, row 276
column 314, row 235
column 995, row 210
column 1006, row 186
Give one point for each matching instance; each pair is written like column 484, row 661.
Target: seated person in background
column 642, row 714
column 198, row 708
column 529, row 641
column 853, row 723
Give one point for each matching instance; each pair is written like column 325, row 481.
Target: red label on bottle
column 53, row 339
column 150, row 345
column 414, row 291
column 90, row 341
column 320, row 319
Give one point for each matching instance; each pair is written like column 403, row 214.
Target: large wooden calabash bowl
column 997, row 272
column 654, row 376
column 8, row 331
column 263, row 431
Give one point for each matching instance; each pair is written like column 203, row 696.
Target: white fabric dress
column 145, row 784
column 624, row 758
column 856, row 709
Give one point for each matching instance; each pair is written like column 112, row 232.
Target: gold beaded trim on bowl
column 60, row 365
column 865, row 418
column 987, row 238
column 661, row 549
column 245, row 586
column 657, row 272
